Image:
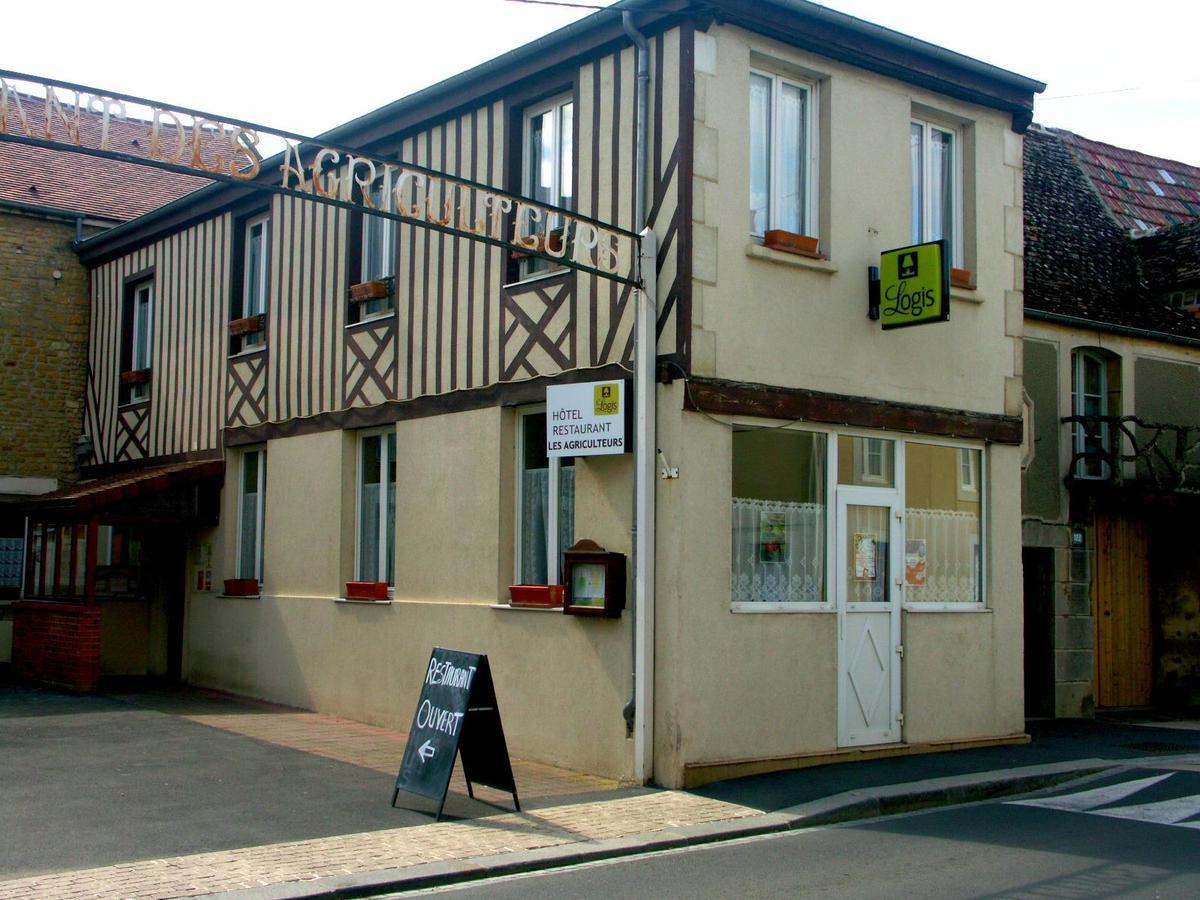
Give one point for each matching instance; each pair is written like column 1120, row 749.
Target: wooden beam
column 767, row 401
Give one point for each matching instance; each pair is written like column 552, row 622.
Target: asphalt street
column 1133, row 834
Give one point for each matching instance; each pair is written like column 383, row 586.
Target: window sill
column 946, row 607
column 750, row 607
column 967, row 295
column 129, row 404
column 372, row 319
column 758, row 251
column 239, row 596
column 536, row 277
column 387, row 602
column 249, row 351
column 536, row 609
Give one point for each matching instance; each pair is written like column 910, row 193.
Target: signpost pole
column 645, row 450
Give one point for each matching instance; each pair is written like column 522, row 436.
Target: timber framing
column 737, row 398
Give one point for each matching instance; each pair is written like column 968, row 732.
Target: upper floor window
column 249, row 282
column 547, row 170
column 376, row 507
column 937, row 187
column 1185, row 299
column 376, row 261
column 866, row 461
column 782, row 155
column 137, row 340
column 1095, row 392
column 251, row 492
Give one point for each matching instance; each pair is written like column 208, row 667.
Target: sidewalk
column 296, row 802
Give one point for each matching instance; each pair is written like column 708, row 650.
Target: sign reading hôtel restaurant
column 914, row 285
column 586, row 419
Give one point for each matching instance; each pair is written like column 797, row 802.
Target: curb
column 837, row 809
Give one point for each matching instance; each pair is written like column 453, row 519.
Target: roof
column 103, row 492
column 1141, row 192
column 808, row 25
column 1171, row 256
column 1080, row 262
column 89, row 185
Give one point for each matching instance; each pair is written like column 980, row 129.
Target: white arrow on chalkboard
column 426, row 751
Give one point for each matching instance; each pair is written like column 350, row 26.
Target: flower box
column 540, row 596
column 241, row 587
column 790, row 242
column 246, row 325
column 370, row 290
column 135, row 376
column 962, row 278
column 366, row 590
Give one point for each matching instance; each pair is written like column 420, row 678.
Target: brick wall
column 43, row 347
column 57, row 643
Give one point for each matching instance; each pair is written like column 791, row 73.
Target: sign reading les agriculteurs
column 914, row 285
column 456, row 714
column 586, row 419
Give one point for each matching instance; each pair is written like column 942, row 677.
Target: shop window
column 547, row 171
column 251, row 496
column 943, row 524
column 936, row 173
column 1095, row 392
column 866, row 461
column 783, row 147
column 778, row 516
column 543, row 531
column 376, row 539
column 373, row 268
column 12, row 558
column 251, row 269
column 139, row 334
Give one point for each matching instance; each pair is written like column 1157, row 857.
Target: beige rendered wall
column 561, row 681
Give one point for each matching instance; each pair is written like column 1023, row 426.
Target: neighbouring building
column 49, row 200
column 1112, row 367
column 838, row 522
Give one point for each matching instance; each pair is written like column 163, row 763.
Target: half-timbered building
column 838, row 522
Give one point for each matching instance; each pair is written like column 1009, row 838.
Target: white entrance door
column 869, row 563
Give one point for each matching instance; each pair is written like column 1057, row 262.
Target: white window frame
column 142, row 350
column 377, row 228
column 259, row 510
column 1079, row 358
column 899, row 489
column 384, row 525
column 810, row 213
column 554, row 464
column 968, row 477
column 956, row 177
column 255, row 339
column 534, row 266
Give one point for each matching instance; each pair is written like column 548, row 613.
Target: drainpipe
column 639, row 711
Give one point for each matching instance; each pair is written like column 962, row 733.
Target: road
column 1131, row 834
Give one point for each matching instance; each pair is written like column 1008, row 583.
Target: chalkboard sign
column 456, row 713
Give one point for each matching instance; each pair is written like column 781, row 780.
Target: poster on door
column 865, row 556
column 915, row 563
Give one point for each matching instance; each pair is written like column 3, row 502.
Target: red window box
column 247, row 325
column 962, row 278
column 366, row 590
column 136, row 376
column 790, row 242
column 370, row 290
column 241, row 587
column 539, row 596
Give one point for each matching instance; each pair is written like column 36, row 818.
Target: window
column 782, row 155
column 376, row 555
column 778, row 516
column 543, row 531
column 1184, row 299
column 1095, row 392
column 251, row 493
column 937, row 187
column 251, row 267
column 137, row 339
column 968, row 472
column 866, row 461
column 377, row 259
column 548, row 168
column 943, row 561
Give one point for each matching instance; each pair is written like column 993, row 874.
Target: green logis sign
column 914, row 285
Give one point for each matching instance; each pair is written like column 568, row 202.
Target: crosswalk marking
column 1165, row 812
column 1084, row 801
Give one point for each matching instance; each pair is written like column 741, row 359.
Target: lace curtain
column 952, row 561
column 535, row 491
column 778, row 551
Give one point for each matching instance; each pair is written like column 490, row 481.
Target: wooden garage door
column 1121, row 586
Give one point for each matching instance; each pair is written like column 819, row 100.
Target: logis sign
column 914, row 285
column 586, row 419
column 48, row 113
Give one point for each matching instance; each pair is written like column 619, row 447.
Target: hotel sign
column 48, row 113
column 586, row 419
column 914, row 285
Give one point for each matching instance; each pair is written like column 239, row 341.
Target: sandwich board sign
column 456, row 714
column 914, row 285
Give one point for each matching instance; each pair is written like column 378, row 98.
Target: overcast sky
column 1122, row 73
